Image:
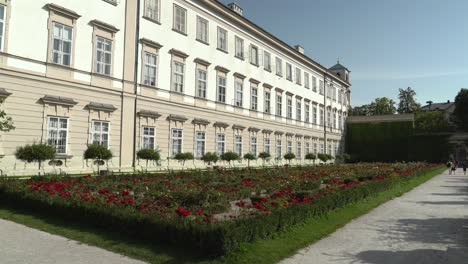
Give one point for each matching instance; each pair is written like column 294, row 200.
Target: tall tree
column 408, row 102
column 382, row 106
column 461, row 108
column 6, row 123
column 363, row 110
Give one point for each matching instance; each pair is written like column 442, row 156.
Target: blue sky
column 386, row 44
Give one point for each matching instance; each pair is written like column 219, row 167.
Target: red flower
column 275, row 204
column 200, row 212
column 125, row 192
column 182, row 212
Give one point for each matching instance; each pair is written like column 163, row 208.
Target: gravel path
column 23, row 245
column 428, row 225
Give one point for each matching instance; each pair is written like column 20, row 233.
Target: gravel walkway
column 428, row 225
column 23, row 245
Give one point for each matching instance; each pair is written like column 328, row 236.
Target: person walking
column 449, row 166
column 464, row 168
column 455, row 167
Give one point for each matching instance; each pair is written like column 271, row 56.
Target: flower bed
column 212, row 211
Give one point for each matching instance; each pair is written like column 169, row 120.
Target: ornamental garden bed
column 210, row 211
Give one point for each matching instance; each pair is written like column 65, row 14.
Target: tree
column 310, row 156
column 148, row 154
column 209, row 158
column 431, row 122
column 35, row 152
column 461, row 108
column 249, row 157
column 264, row 156
column 363, row 110
column 382, row 106
column 407, row 104
column 229, row 156
column 98, row 153
column 183, row 157
column 6, row 122
column 322, row 157
column 289, row 156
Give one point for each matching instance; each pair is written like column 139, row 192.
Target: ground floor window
column 307, row 148
column 299, row 150
column 176, row 141
column 267, row 145
column 100, row 133
column 253, row 145
column 220, row 144
column 289, row 147
column 315, row 148
column 57, row 133
column 238, row 145
column 148, row 137
column 278, row 149
column 200, row 144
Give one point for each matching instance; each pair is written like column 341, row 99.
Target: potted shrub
column 35, row 153
column 249, row 157
column 310, row 156
column 289, row 156
column 148, row 155
column 209, row 158
column 322, row 157
column 183, row 157
column 265, row 156
column 99, row 153
column 229, row 156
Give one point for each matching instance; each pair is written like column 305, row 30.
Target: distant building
column 448, row 108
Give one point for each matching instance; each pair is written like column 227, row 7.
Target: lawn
column 266, row 195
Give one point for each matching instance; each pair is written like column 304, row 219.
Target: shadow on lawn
column 112, row 241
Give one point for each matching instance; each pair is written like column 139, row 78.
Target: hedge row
column 212, row 239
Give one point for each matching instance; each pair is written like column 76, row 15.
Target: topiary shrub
column 265, row 156
column 322, row 157
column 310, row 156
column 249, row 157
column 209, row 158
column 35, row 153
column 229, row 156
column 289, row 156
column 183, row 157
column 148, row 155
column 98, row 153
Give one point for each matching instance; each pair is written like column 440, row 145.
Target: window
column 329, row 150
column 329, row 118
column 176, row 140
column 178, row 77
column 152, row 9
column 322, row 122
column 340, row 121
column 322, row 148
column 2, row 26
column 220, row 144
column 340, row 94
column 315, row 148
column 266, row 147
column 150, row 69
column 306, row 80
column 202, row 30
column 307, row 148
column 267, row 101
column 334, row 120
column 278, row 149
column 180, row 19
column 289, row 72
column 253, row 145
column 314, row 84
column 201, row 83
column 254, row 98
column 57, row 134
column 298, row 76
column 279, row 67
column 147, row 137
column 254, row 55
column 279, row 105
column 62, row 39
column 307, row 113
column 238, row 145
column 221, row 89
column 200, row 144
column 299, row 150
column 103, row 56
column 321, row 87
column 289, row 147
column 298, row 110
column 314, row 115
column 239, row 48
column 267, row 61
column 239, row 93
column 289, row 107
column 222, row 39
column 100, row 133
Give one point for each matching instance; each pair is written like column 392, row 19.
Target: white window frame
column 150, row 69
column 289, row 73
column 221, row 89
column 298, row 110
column 267, row 145
column 279, row 152
column 307, row 148
column 266, row 61
column 56, row 140
column 101, row 132
column 307, row 112
column 61, row 54
column 239, row 48
column 202, row 78
column 222, row 45
column 253, row 145
column 177, row 138
column 3, row 26
column 180, row 19
column 279, row 105
column 267, row 104
column 238, row 144
column 254, row 98
column 314, row 83
column 289, row 107
column 220, row 143
column 306, row 80
column 254, row 55
column 279, row 67
column 238, row 92
column 298, row 76
column 148, row 137
column 200, row 143
column 203, row 29
column 178, row 83
column 152, row 9
column 314, row 114
column 101, row 64
column 289, row 147
column 298, row 149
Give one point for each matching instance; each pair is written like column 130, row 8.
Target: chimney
column 299, row 48
column 236, row 8
column 448, row 101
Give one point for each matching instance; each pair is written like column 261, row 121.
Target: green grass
column 263, row 251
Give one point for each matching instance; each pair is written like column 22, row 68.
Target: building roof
column 438, row 106
column 338, row 66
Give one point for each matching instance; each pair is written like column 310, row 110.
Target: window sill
column 254, row 64
column 225, row 51
column 63, row 156
column 268, row 70
column 240, row 58
column 180, row 32
column 102, row 75
column 114, row 3
column 152, row 20
column 279, row 75
column 203, row 42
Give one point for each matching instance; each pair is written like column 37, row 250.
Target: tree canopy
column 407, row 104
column 380, row 106
column 6, row 123
column 461, row 108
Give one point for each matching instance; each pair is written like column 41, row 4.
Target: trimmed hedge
column 213, row 239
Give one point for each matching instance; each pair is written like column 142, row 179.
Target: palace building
column 175, row 75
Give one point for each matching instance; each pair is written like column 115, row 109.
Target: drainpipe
column 135, row 80
column 325, row 76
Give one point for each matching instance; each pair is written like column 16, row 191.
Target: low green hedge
column 214, row 238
